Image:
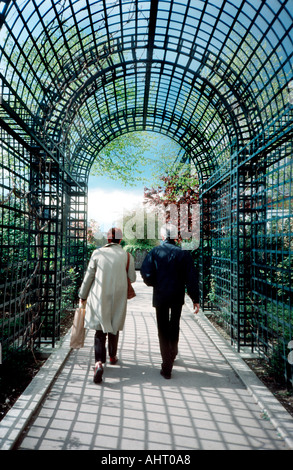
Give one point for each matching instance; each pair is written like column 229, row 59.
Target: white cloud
column 107, row 206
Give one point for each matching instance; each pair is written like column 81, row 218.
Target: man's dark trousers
column 168, row 320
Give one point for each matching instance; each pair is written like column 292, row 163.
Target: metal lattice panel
column 215, row 76
column 204, row 73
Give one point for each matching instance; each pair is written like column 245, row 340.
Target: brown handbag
column 130, row 291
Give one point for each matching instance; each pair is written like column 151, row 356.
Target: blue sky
column 107, row 200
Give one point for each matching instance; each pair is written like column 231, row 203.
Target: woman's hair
column 114, row 235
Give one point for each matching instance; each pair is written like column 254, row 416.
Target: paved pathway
column 204, row 406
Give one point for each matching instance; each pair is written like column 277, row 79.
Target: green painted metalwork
column 214, row 76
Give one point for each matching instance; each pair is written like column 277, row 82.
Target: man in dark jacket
column 170, row 270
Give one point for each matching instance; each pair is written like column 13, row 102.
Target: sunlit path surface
column 204, row 405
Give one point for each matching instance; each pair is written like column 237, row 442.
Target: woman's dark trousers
column 100, row 345
column 168, row 320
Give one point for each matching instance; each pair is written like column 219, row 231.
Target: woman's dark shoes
column 99, row 370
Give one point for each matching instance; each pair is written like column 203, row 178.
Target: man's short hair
column 114, row 235
column 169, row 231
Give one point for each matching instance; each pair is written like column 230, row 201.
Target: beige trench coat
column 105, row 288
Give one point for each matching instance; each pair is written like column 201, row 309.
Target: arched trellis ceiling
column 209, row 74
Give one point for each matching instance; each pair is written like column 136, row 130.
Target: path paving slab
column 212, row 402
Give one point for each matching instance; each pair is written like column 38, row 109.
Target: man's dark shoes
column 166, row 375
column 98, row 373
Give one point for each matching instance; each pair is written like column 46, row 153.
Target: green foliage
column 136, row 157
column 138, row 245
column 276, row 362
column 90, row 247
column 69, row 288
column 212, row 290
column 135, row 231
column 122, row 159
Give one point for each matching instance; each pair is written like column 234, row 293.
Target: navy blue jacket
column 169, row 269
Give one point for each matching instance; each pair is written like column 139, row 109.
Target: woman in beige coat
column 105, row 289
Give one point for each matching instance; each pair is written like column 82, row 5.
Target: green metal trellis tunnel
column 214, row 76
